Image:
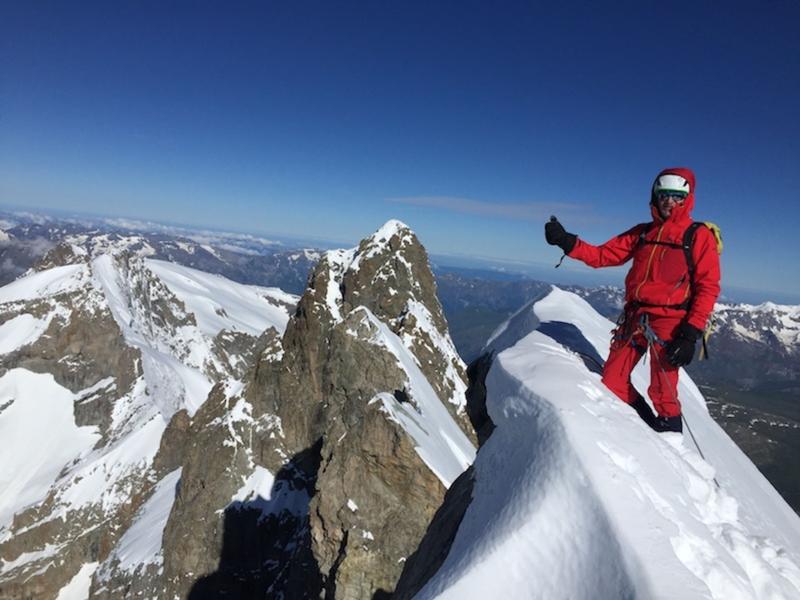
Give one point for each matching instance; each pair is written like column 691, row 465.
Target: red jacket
column 659, row 274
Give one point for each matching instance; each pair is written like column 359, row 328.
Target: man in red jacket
column 664, row 296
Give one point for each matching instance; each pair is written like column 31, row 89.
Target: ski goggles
column 671, row 195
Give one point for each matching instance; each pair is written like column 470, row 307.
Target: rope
column 648, row 334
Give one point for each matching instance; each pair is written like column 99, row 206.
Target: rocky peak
column 389, row 274
column 61, row 255
column 354, row 418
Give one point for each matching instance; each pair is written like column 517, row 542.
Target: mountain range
column 174, row 433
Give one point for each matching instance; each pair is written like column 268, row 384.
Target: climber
column 670, row 292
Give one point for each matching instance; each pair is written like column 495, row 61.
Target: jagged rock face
column 210, row 478
column 374, row 494
column 375, row 497
column 389, row 275
column 227, row 533
column 393, row 279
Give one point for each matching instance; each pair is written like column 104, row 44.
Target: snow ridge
column 575, row 497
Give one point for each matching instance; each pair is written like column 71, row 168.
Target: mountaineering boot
column 668, row 424
column 644, row 411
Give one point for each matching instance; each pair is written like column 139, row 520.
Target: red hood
column 679, row 213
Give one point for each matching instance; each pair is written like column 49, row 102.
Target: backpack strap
column 645, row 228
column 688, row 240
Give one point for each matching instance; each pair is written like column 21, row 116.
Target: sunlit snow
column 44, row 283
column 218, row 303
column 78, row 587
column 39, row 437
column 439, row 441
column 141, row 543
column 20, row 331
column 575, row 497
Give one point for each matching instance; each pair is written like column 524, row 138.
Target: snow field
column 44, row 284
column 20, row 331
column 173, row 384
column 78, row 587
column 39, row 437
column 141, row 543
column 218, row 303
column 175, row 365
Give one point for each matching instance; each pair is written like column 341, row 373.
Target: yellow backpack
column 687, row 247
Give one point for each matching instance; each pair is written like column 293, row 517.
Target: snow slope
column 575, row 497
column 141, row 543
column 20, row 331
column 439, row 441
column 43, row 284
column 78, row 587
column 175, row 363
column 29, row 467
column 218, row 303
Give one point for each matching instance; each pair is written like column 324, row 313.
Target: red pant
column 625, row 353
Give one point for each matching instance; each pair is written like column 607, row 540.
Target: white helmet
column 671, row 183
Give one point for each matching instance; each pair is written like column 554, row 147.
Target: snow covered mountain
column 573, row 496
column 98, row 351
column 751, row 382
column 249, row 259
column 207, row 442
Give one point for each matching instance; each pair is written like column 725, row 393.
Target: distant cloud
column 8, row 266
column 32, row 247
column 527, row 211
column 36, row 218
column 201, row 236
column 38, row 246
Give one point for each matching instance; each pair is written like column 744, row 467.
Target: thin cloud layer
column 202, row 236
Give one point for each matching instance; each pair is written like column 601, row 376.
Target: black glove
column 680, row 350
column 556, row 235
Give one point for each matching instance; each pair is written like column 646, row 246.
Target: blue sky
column 470, row 121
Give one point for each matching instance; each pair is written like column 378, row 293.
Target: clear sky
column 470, row 121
